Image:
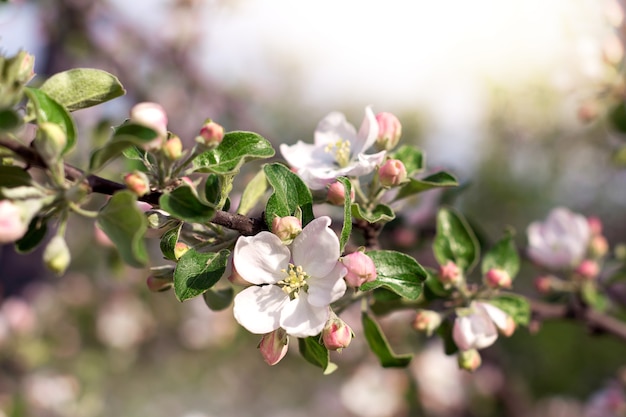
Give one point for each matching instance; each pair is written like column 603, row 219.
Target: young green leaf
column 123, row 138
column 411, row 157
column 235, row 149
column 455, row 241
column 290, row 194
column 252, row 193
column 168, row 242
column 504, row 256
column 9, row 120
column 440, row 179
column 12, row 176
column 35, row 234
column 514, row 305
column 397, row 272
column 379, row 345
column 47, row 109
column 124, row 223
column 347, row 213
column 316, row 353
column 80, row 88
column 197, row 272
column 183, row 203
column 381, row 213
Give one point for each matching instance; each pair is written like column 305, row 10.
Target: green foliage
column 397, row 272
column 503, row 255
column 235, row 149
column 290, row 194
column 124, row 223
column 9, row 120
column 455, row 241
column 253, row 192
column 316, row 353
column 12, row 176
column 381, row 213
column 617, row 117
column 380, row 346
column 197, row 272
column 168, row 242
column 46, row 109
column 440, row 179
column 514, row 305
column 80, row 88
column 411, row 157
column 124, row 137
column 218, row 300
column 35, row 234
column 183, row 203
column 346, row 229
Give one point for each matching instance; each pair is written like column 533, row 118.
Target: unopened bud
column 361, row 269
column 469, row 360
column 595, row 225
column 544, row 284
column 138, row 183
column 159, row 222
column 274, row 345
column 25, row 67
column 336, row 334
column 153, row 116
column 598, row 246
column 180, row 249
column 57, row 256
column 449, row 274
column 389, row 131
column 498, row 278
column 173, row 148
column 588, row 269
column 12, row 227
column 336, row 194
column 286, row 228
column 503, row 321
column 392, row 173
column 161, row 278
column 211, row 134
column 427, row 321
column 50, row 141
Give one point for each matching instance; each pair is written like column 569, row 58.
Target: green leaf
column 379, row 345
column 252, row 193
column 596, row 299
column 80, row 88
column 213, row 189
column 617, row 117
column 48, row 110
column 397, row 272
column 346, row 230
column 455, row 241
column 183, row 203
column 316, row 353
column 218, row 300
column 290, row 194
column 503, row 255
column 411, row 157
column 168, row 242
column 35, row 234
column 437, row 180
column 123, row 138
column 12, row 176
column 197, row 272
column 514, row 305
column 9, row 120
column 236, row 149
column 381, row 213
column 124, row 223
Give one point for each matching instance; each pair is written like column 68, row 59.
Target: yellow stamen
column 341, row 148
column 294, row 281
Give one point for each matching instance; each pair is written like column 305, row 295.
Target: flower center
column 295, row 280
column 341, row 149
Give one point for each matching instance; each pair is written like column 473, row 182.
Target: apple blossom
column 12, row 227
column 292, row 286
column 338, row 150
column 477, row 326
column 561, row 241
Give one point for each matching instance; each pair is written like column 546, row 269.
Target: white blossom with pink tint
column 477, row 327
column 338, row 150
column 293, row 286
column 561, row 241
column 12, row 227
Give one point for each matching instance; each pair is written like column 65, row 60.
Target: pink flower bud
column 498, row 278
column 26, row 68
column 12, row 227
column 389, row 131
column 595, row 225
column 449, row 273
column 286, row 228
column 392, row 173
column 469, row 360
column 545, row 284
column 588, row 269
column 598, row 246
column 153, row 116
column 173, row 148
column 211, row 134
column 138, row 183
column 427, row 321
column 336, row 335
column 274, row 346
column 361, row 269
column 180, row 249
column 336, row 194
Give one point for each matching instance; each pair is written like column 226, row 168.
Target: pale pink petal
column 368, row 132
column 260, row 259
column 332, row 129
column 316, row 249
column 325, row 290
column 258, row 308
column 317, row 179
column 301, row 319
column 499, row 317
column 304, row 155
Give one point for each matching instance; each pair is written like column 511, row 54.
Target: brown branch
column 245, row 225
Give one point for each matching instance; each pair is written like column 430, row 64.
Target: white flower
column 478, row 327
column 293, row 288
column 338, row 151
column 561, row 241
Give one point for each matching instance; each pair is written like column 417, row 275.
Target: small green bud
column 57, row 256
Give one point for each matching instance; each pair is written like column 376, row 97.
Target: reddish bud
column 588, row 269
column 427, row 321
column 137, row 182
column 211, row 134
column 180, row 249
column 336, row 194
column 449, row 273
column 336, row 335
column 286, row 228
column 173, row 148
column 389, row 131
column 544, row 284
column 469, row 360
column 361, row 269
column 392, row 173
column 598, row 246
column 273, row 346
column 498, row 278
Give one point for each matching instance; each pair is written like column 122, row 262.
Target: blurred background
column 509, row 95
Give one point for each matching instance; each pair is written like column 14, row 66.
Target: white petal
column 301, row 319
column 462, row 333
column 368, row 132
column 259, row 259
column 258, row 309
column 333, row 128
column 316, row 249
column 305, row 155
column 325, row 290
column 499, row 317
column 318, row 179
